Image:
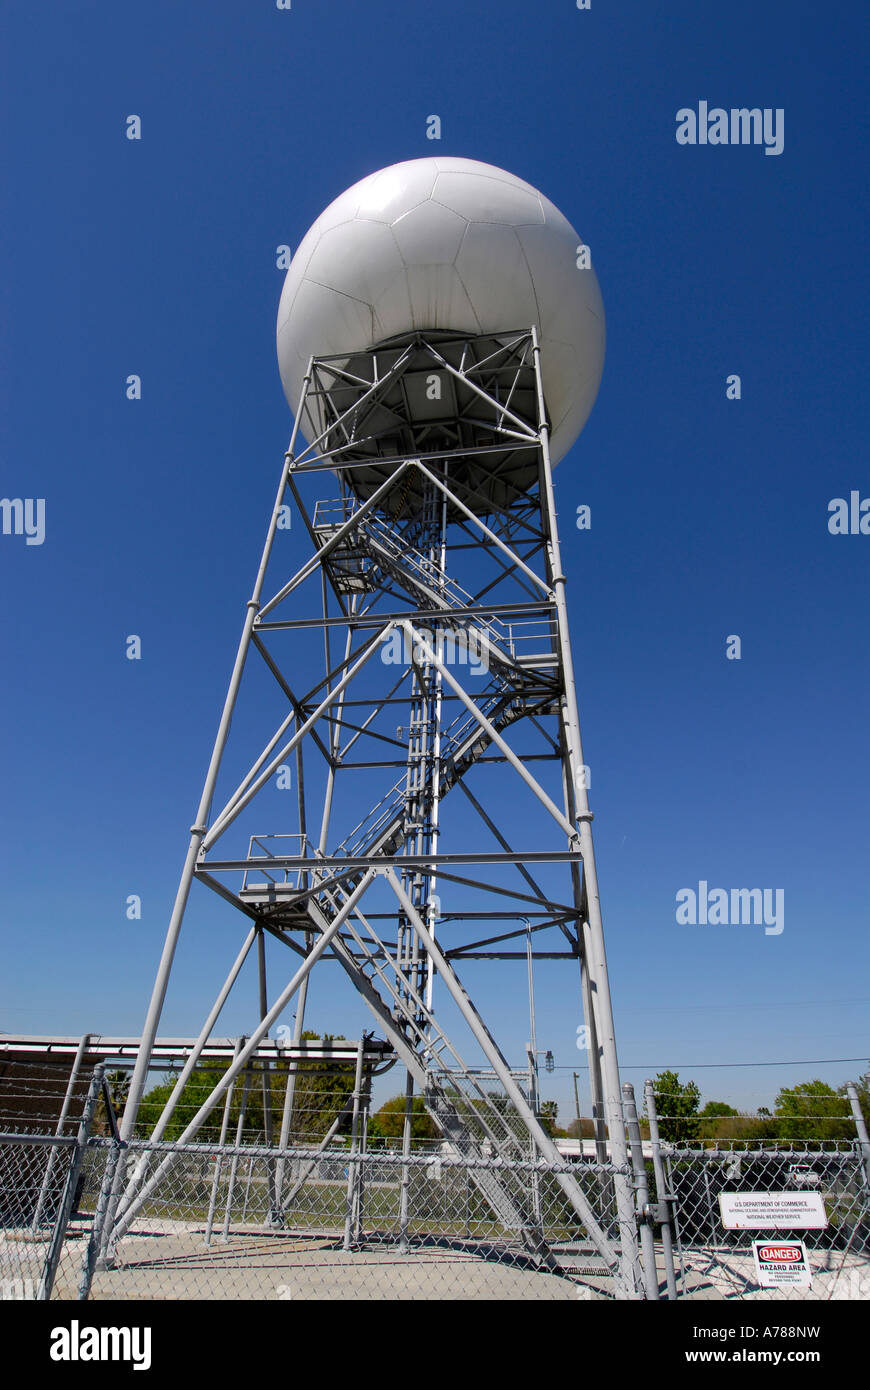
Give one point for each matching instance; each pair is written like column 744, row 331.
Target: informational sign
column 772, row 1211
column 781, row 1262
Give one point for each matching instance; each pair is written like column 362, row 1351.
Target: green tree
column 389, row 1121
column 322, row 1088
column 717, row 1109
column 677, row 1106
column 584, row 1128
column 200, row 1082
column 813, row 1111
column 549, row 1112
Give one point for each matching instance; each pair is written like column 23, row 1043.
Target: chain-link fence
column 336, row 1214
column 723, row 1212
column 249, row 1222
column 714, row 1261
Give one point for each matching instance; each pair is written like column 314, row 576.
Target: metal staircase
column 519, row 685
column 376, row 555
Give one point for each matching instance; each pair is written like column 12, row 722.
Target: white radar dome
column 447, row 245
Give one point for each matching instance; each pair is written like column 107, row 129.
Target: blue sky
column 709, row 517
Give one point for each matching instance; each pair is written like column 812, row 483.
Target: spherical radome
column 446, row 244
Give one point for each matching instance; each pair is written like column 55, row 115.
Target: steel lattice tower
column 436, row 592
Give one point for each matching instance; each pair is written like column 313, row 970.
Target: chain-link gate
column 42, row 1180
column 699, row 1257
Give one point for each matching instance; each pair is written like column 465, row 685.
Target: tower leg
column 354, row 1170
column 218, row 1163
column 234, row 1166
column 594, row 953
column 290, row 1092
column 275, row 1217
column 406, row 1170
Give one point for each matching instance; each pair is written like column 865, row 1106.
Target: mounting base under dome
column 464, row 404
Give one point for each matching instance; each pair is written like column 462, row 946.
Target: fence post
column 351, row 1221
column 234, row 1164
column 244, row 1214
column 675, row 1217
column 52, row 1259
column 61, row 1121
column 99, row 1247
column 92, row 1252
column 218, row 1161
column 860, row 1126
column 714, row 1234
column 664, row 1197
column 364, row 1166
column 641, row 1187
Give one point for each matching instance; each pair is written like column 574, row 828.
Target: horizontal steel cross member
column 548, row 856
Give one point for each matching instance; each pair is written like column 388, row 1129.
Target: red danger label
column 780, row 1254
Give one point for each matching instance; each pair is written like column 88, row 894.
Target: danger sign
column 780, row 1262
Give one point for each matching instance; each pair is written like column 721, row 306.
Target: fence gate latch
column 660, row 1212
